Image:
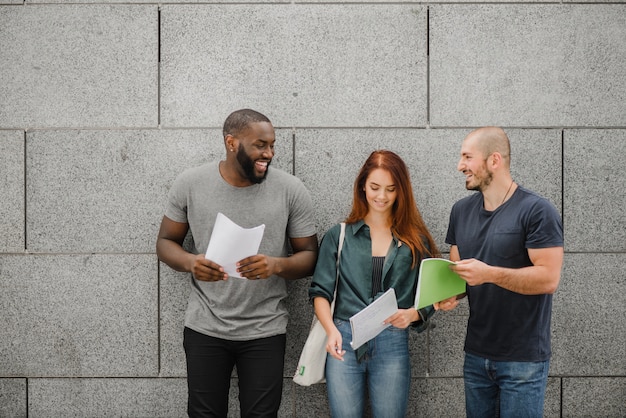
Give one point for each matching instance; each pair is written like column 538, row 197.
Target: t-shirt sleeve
column 545, row 227
column 301, row 214
column 176, row 206
column 450, row 235
column 323, row 282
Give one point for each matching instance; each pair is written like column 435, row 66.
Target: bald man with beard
column 507, row 243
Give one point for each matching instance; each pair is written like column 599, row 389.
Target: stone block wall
column 103, row 103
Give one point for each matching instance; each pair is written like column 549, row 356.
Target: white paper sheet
column 368, row 323
column 231, row 243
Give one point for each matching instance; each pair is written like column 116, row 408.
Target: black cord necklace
column 507, row 193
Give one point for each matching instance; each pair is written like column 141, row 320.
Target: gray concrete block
column 300, row 316
column 79, row 65
column 117, row 397
column 588, row 331
column 13, row 398
column 494, row 1
column 106, row 190
column 288, row 401
column 514, row 65
column 536, row 162
column 595, row 191
column 337, row 65
column 311, row 401
column 552, row 401
column 71, row 2
column 591, row 1
column 287, row 405
column 418, row 352
column 433, row 397
column 446, row 342
column 12, row 190
column 174, row 293
column 594, row 397
column 431, row 155
column 76, row 316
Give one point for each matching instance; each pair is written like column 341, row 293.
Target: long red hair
column 407, row 224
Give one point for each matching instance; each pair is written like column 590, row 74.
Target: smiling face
column 255, row 151
column 473, row 164
column 380, row 191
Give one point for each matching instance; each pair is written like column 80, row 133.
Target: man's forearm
column 173, row 254
column 541, row 278
column 296, row 266
column 532, row 280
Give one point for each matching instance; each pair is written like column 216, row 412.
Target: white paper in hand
column 368, row 323
column 231, row 243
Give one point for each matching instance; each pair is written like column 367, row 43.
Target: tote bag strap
column 339, row 247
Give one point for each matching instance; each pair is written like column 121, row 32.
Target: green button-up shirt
column 354, row 290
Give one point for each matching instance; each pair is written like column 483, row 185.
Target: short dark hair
column 241, row 119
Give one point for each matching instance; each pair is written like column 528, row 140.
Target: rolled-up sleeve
column 323, row 283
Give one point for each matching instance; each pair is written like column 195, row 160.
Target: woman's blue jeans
column 515, row 389
column 385, row 370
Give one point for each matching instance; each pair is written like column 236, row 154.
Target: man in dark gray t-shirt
column 508, row 245
column 238, row 321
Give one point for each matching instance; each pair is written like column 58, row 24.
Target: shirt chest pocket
column 508, row 243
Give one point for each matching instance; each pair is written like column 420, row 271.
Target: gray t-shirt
column 240, row 309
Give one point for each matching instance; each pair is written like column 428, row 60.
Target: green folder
column 437, row 282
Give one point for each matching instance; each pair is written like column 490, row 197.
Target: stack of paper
column 231, row 243
column 368, row 323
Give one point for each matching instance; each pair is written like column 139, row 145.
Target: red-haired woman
column 385, row 240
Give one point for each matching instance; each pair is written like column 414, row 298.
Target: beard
column 482, row 180
column 247, row 165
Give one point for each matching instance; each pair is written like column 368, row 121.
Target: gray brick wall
column 103, row 103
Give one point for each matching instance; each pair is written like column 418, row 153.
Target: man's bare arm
column 300, row 264
column 541, row 278
column 170, row 250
